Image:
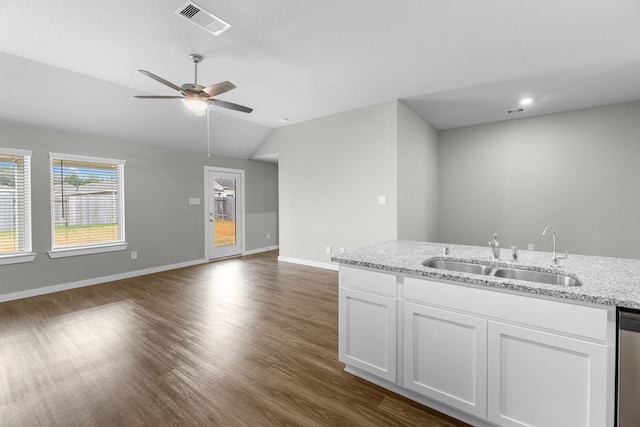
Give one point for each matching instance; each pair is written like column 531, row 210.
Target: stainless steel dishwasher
column 628, row 368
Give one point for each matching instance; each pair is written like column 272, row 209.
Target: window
column 87, row 205
column 15, row 206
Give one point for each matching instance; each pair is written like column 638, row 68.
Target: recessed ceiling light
column 526, row 101
column 284, row 119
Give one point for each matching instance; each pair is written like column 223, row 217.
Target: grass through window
column 85, row 234
column 224, row 232
column 7, row 241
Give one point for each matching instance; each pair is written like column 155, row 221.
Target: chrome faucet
column 495, row 246
column 514, row 253
column 555, row 255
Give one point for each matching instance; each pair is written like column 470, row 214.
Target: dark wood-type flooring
column 240, row 342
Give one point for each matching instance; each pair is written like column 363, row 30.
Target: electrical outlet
column 328, row 249
column 134, row 254
column 530, row 247
column 268, row 236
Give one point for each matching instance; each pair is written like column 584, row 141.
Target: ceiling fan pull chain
column 208, row 135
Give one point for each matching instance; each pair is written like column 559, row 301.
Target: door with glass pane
column 224, row 213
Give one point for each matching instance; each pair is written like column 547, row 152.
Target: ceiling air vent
column 515, row 110
column 202, row 18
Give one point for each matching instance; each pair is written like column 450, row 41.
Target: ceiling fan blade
column 231, row 106
column 158, row 97
column 161, row 80
column 218, row 88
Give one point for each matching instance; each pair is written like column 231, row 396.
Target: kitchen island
column 485, row 349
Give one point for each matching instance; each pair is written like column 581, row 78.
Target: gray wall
column 578, row 171
column 417, row 177
column 160, row 224
column 332, row 170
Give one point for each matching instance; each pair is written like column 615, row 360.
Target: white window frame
column 96, row 248
column 27, row 255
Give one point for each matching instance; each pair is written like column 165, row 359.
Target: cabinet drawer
column 566, row 318
column 368, row 281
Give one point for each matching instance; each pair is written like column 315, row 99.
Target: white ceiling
column 72, row 63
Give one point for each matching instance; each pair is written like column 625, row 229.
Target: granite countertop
column 609, row 281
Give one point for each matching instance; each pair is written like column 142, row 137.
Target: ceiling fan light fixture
column 197, row 105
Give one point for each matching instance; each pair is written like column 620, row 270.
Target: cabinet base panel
column 433, row 404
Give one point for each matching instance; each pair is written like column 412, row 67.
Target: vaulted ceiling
column 72, row 64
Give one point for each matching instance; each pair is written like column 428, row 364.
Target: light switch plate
column 382, row 200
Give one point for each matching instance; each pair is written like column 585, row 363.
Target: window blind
column 87, row 201
column 15, row 201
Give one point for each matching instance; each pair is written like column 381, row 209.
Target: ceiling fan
column 197, row 97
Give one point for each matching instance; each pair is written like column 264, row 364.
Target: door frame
column 241, row 208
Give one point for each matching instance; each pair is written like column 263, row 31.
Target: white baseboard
column 325, row 265
column 259, row 250
column 95, row 281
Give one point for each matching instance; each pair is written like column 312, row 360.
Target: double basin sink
column 504, row 272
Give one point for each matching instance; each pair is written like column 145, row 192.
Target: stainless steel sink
column 461, row 267
column 503, row 272
column 537, row 276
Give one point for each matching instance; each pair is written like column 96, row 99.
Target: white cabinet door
column 541, row 379
column 445, row 357
column 368, row 332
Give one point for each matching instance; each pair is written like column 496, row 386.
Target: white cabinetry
column 368, row 321
column 486, row 356
column 544, row 379
column 542, row 362
column 445, row 357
